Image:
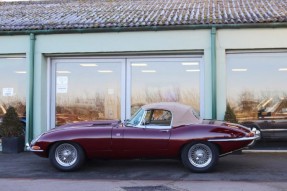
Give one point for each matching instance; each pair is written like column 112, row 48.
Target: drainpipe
column 213, row 71
column 31, row 87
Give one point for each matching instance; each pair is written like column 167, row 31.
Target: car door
column 150, row 138
column 279, row 128
column 277, row 122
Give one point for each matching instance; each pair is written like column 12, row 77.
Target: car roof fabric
column 182, row 114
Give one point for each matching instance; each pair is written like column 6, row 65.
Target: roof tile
column 74, row 14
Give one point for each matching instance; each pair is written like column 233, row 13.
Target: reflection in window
column 256, row 85
column 87, row 91
column 13, row 85
column 167, row 80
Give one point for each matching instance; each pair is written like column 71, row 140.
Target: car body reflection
column 271, row 120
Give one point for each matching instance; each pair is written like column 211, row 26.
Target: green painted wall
column 226, row 39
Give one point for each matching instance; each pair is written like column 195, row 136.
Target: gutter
column 144, row 28
column 31, row 87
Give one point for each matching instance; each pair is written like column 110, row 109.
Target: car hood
column 99, row 123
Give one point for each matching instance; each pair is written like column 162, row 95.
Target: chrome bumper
column 257, row 136
column 256, row 133
column 29, row 148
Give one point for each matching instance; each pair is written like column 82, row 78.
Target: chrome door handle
column 164, row 130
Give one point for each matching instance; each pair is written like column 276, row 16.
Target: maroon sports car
column 160, row 130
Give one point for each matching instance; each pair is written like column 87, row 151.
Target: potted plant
column 12, row 133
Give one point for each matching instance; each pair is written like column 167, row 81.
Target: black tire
column 66, row 156
column 200, row 156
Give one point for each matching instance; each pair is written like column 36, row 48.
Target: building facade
column 55, row 75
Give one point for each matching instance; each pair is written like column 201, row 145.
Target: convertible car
column 159, row 130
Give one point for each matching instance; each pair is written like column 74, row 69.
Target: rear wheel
column 200, row 156
column 66, row 156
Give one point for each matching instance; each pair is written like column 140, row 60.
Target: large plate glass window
column 13, row 76
column 165, row 80
column 257, row 91
column 87, row 90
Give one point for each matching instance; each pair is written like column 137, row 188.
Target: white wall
column 123, row 41
column 14, row 44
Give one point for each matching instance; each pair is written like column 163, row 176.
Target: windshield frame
column 136, row 119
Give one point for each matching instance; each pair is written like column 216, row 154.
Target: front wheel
column 200, row 156
column 66, row 156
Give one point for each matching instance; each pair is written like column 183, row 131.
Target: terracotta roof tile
column 76, row 14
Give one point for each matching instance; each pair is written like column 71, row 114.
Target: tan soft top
column 182, row 114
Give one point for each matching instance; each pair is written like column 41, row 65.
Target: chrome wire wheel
column 200, row 155
column 66, row 155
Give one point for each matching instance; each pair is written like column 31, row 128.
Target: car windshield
column 136, row 118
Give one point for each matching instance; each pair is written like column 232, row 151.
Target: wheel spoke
column 200, row 155
column 66, row 155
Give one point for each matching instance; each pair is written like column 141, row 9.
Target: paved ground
column 132, row 185
column 247, row 171
column 270, row 145
column 240, row 167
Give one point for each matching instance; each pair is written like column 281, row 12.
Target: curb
column 264, row 151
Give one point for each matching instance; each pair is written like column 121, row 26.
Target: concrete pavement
column 238, row 167
column 136, row 185
column 247, row 171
